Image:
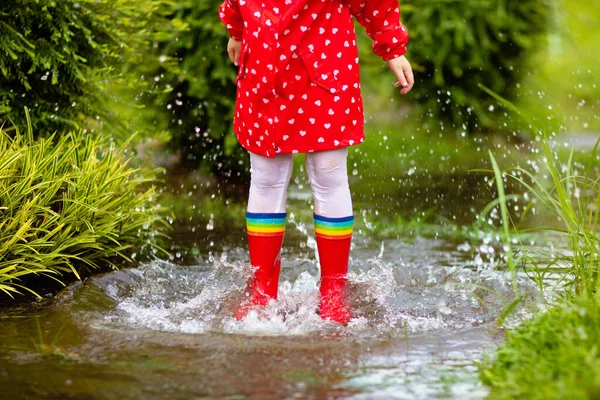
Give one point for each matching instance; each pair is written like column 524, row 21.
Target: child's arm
column 381, row 18
column 229, row 13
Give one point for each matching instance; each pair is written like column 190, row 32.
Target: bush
column 457, row 45
column 192, row 82
column 56, row 56
column 68, row 206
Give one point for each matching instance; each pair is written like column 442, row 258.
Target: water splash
column 388, row 298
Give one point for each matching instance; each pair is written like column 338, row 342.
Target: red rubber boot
column 334, row 237
column 273, row 284
column 265, row 237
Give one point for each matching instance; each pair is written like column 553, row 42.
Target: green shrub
column 455, row 45
column 68, row 206
column 56, row 56
column 192, row 86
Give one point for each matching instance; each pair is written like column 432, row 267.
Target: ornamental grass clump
column 69, row 207
column 570, row 192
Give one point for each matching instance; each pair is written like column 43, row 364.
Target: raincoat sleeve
column 381, row 18
column 229, row 13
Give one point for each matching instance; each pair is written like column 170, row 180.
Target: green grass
column 68, row 206
column 556, row 355
column 571, row 193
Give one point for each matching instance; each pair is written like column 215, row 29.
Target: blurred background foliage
column 457, row 45
column 191, row 91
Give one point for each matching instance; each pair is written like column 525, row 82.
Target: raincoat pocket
column 319, row 72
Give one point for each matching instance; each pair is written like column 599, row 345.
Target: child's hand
column 234, row 48
column 403, row 71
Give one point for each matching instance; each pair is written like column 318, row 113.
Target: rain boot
column 265, row 237
column 334, row 237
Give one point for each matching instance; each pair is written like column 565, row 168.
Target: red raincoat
column 298, row 86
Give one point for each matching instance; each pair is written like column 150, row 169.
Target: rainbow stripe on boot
column 333, row 228
column 263, row 224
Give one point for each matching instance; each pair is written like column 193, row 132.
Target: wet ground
column 425, row 312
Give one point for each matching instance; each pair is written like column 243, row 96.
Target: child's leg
column 269, row 179
column 328, row 177
column 265, row 220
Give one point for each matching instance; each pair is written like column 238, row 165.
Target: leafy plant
column 69, row 206
column 57, row 55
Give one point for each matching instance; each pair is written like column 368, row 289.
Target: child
column 298, row 91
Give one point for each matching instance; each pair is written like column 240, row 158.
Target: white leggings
column 327, row 174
